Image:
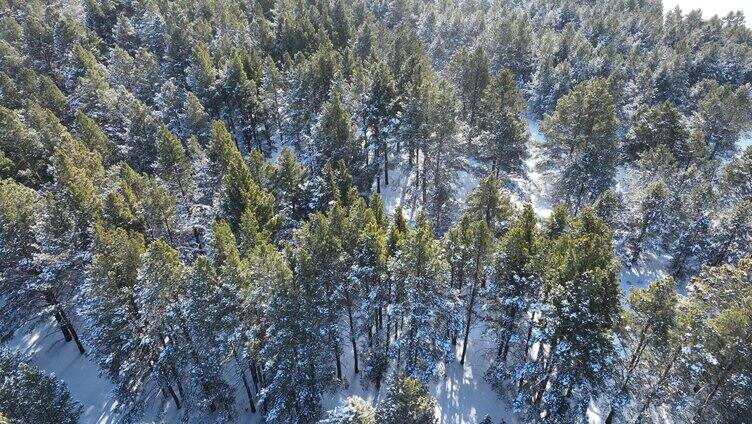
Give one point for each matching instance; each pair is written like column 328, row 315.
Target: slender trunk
column 187, row 204
column 386, row 165
column 72, row 331
column 63, row 327
column 352, row 332
column 467, row 324
column 176, row 376
column 173, row 395
column 637, row 243
column 339, row 363
column 508, row 336
column 549, row 368
column 659, row 383
column 722, row 378
column 469, row 319
column 247, row 386
column 169, row 230
column 255, row 376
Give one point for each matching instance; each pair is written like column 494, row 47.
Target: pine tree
column 24, row 151
column 470, row 74
column 659, row 125
column 355, row 410
column 723, row 295
column 380, row 109
column 195, row 120
column 202, row 75
column 501, row 138
column 442, row 160
column 91, row 134
column 336, row 142
column 366, row 298
column 582, row 298
column 735, row 177
column 407, row 401
column 516, row 281
column 209, row 331
column 424, row 303
column 650, row 217
column 241, row 193
column 113, row 314
column 732, row 234
column 722, row 114
column 289, row 185
column 490, row 203
column 159, row 281
column 652, row 319
column 169, row 103
column 583, row 151
column 28, row 395
column 298, row 347
column 480, row 248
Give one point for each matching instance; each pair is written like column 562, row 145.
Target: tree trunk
column 72, row 331
column 63, row 327
column 722, row 378
column 508, row 337
column 469, row 319
column 386, row 166
column 339, row 363
column 661, row 380
column 247, row 386
column 173, row 395
column 352, row 333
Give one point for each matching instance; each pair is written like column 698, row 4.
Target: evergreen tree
column 582, row 306
column 379, row 110
column 659, row 125
column 209, row 318
column 298, row 348
column 337, row 142
column 650, row 219
column 366, row 298
column 355, row 410
column 289, row 185
column 407, row 401
column 722, row 114
column 28, row 395
column 583, row 151
column 470, row 74
column 516, row 281
column 112, row 311
column 501, row 139
column 479, row 252
column 652, row 319
column 719, row 393
column 202, row 75
column 424, row 303
column 488, row 202
column 91, row 134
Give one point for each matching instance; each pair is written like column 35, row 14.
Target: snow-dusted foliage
column 247, row 210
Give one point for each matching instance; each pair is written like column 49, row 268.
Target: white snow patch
column 649, row 268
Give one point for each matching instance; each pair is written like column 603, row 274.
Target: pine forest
column 374, row 212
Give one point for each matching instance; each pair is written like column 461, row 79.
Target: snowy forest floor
column 462, row 393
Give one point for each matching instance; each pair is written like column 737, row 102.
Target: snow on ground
column 650, row 267
column 744, row 143
column 535, row 184
column 51, row 353
column 462, row 393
